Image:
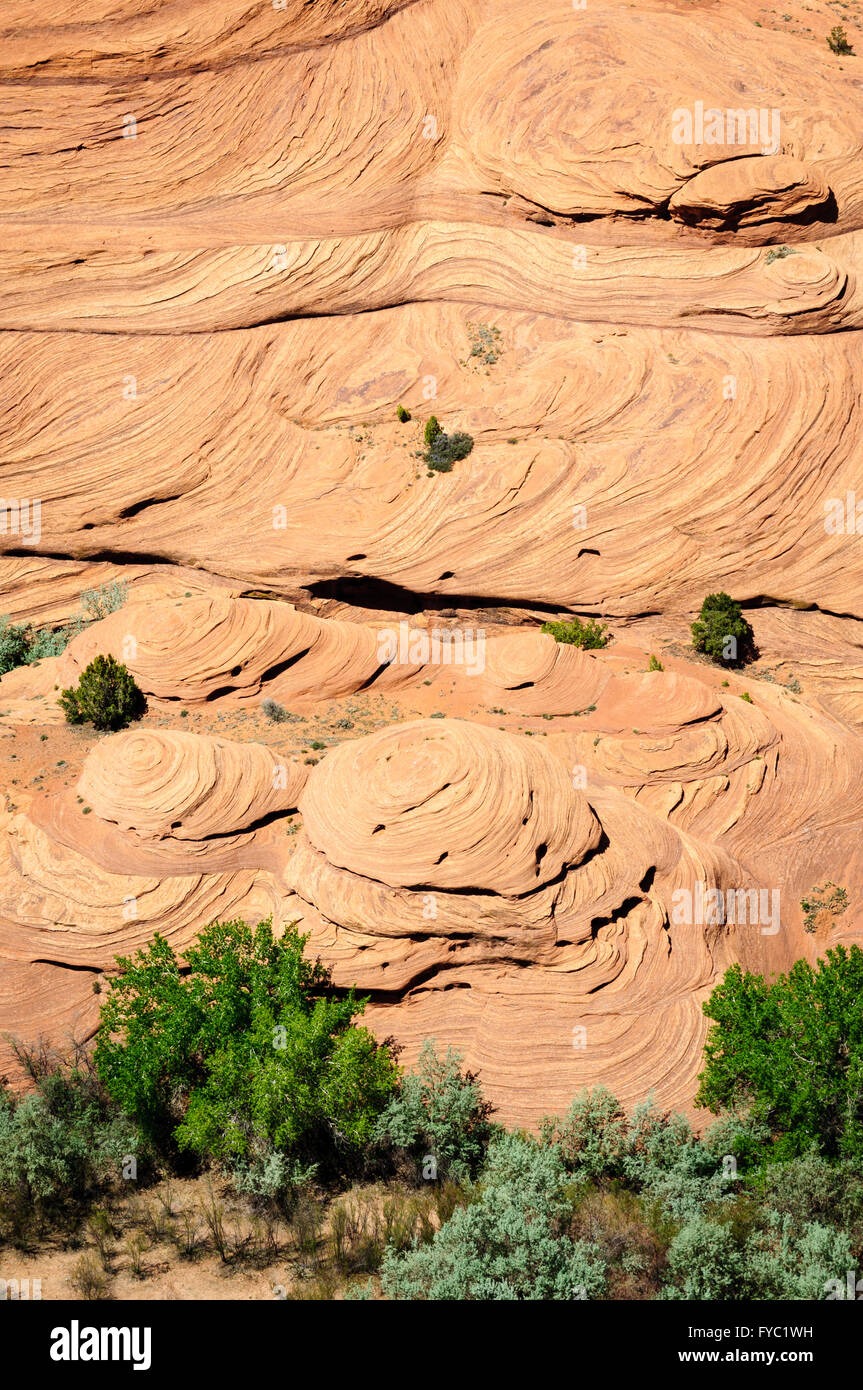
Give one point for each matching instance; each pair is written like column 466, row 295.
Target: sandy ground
column 281, row 1271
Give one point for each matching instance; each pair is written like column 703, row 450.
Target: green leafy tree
column 247, row 1054
column 509, row 1243
column 106, row 696
column 439, row 1111
column 722, row 633
column 792, row 1050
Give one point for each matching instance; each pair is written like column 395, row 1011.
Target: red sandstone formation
column 234, row 238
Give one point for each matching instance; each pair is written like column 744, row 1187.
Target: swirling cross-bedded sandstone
column 531, row 673
column 95, row 37
column 164, row 831
column 666, row 465
column 737, row 291
column 164, row 783
column 353, row 170
column 206, row 650
column 438, row 859
column 234, row 238
column 512, row 818
column 750, row 191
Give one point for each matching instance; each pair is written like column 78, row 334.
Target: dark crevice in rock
column 367, row 591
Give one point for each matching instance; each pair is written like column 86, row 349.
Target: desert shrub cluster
column 22, row 644
column 442, row 450
column 106, row 696
column 63, row 1144
column 722, row 633
column 244, row 1067
column 590, row 636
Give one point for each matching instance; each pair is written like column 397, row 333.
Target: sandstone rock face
column 497, row 881
column 749, row 191
column 618, row 246
column 185, row 786
column 511, row 816
column 536, row 676
column 222, row 651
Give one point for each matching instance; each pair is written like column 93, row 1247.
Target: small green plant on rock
column 837, row 41
column 821, row 901
column 443, row 450
column 96, row 604
column 589, row 636
column 484, row 342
